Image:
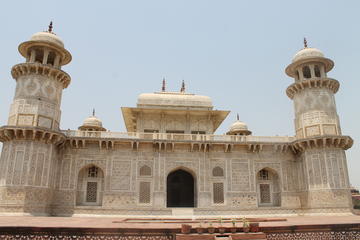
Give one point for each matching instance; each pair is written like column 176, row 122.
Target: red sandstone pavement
column 113, row 222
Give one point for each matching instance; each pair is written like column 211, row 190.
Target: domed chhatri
column 181, row 112
column 238, row 128
column 92, row 123
column 47, row 39
column 306, row 55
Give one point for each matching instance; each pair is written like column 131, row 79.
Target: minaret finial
column 50, row 27
column 305, row 43
column 163, row 85
column 93, row 111
column 182, row 86
column 237, row 117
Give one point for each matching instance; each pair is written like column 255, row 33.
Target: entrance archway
column 180, row 189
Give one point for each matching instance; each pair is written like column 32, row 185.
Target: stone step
column 182, row 211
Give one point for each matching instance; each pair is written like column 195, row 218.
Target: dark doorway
column 180, row 189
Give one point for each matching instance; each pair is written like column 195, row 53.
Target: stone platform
column 309, row 227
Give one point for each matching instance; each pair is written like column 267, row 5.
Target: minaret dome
column 309, row 63
column 46, row 48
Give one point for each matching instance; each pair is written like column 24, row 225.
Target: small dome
column 174, row 99
column 238, row 127
column 307, row 53
column 92, row 123
column 47, row 37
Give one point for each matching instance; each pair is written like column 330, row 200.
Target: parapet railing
column 175, row 136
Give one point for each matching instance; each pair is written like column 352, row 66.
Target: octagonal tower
column 31, row 136
column 320, row 144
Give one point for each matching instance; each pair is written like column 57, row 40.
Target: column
column 32, row 56
column 301, row 74
column 322, row 71
column 312, row 71
column 46, row 54
column 57, row 61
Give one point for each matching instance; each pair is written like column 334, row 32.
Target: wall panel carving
column 240, row 175
column 120, row 176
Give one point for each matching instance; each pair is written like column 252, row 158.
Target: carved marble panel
column 240, row 175
column 44, row 121
column 120, row 175
column 25, row 120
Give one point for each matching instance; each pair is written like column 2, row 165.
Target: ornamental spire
column 237, row 117
column 93, row 112
column 182, row 86
column 163, row 85
column 305, row 43
column 50, row 27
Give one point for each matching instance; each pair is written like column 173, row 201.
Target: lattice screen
column 144, row 192
column 218, row 190
column 93, row 172
column 218, row 172
column 145, row 171
column 264, row 175
column 91, row 192
column 265, row 196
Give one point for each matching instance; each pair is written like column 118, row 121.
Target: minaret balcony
column 41, row 69
column 298, row 86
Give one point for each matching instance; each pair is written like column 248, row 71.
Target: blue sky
column 233, row 51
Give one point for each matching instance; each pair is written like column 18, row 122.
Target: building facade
column 169, row 160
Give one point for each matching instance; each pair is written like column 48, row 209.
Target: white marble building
column 169, row 158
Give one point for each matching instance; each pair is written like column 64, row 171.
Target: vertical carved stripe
column 10, row 168
column 19, row 157
column 39, row 169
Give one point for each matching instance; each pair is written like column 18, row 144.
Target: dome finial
column 305, row 43
column 50, row 27
column 94, row 112
column 182, row 86
column 163, row 85
column 237, row 117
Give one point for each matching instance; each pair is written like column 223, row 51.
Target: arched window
column 317, row 71
column 89, row 186
column 297, row 75
column 218, row 172
column 263, row 175
column 145, row 171
column 93, row 172
column 268, row 188
column 306, row 72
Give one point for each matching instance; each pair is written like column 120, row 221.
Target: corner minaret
column 31, row 136
column 40, row 82
column 313, row 94
column 320, row 144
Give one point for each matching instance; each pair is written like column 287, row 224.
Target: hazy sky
column 233, row 51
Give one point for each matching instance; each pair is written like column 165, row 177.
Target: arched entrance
column 180, row 189
column 90, row 186
column 268, row 188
